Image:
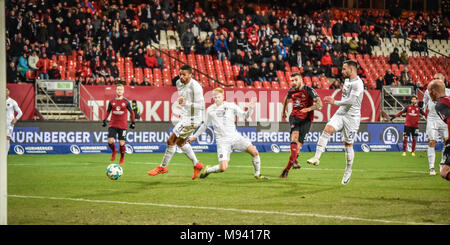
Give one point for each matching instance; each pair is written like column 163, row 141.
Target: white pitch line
column 227, row 209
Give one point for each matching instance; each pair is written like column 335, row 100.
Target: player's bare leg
column 431, row 156
column 170, row 150
column 321, row 145
column 122, row 151
column 112, row 146
column 349, row 156
column 187, row 150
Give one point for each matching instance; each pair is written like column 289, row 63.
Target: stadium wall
column 81, row 137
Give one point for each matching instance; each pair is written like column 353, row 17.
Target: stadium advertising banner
column 160, row 104
column 45, row 137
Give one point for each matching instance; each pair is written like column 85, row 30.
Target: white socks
column 187, row 150
column 213, row 169
column 170, row 150
column 257, row 165
column 431, row 156
column 321, row 144
column 349, row 156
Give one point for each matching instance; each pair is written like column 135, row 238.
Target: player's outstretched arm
column 285, row 103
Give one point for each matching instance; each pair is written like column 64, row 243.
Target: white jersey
column 223, row 119
column 352, row 87
column 429, row 105
column 194, row 102
column 11, row 107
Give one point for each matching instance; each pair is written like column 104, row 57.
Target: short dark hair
column 296, row 74
column 186, row 68
column 353, row 63
column 414, row 96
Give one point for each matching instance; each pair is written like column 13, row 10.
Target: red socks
column 122, row 151
column 405, row 144
column 414, row 145
column 293, row 157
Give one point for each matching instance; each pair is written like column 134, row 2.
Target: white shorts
column 185, row 128
column 225, row 147
column 436, row 128
column 348, row 124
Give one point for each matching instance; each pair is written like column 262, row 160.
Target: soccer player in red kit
column 118, row 108
column 413, row 111
column 304, row 100
column 436, row 89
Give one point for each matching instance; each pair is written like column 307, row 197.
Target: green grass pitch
column 385, row 189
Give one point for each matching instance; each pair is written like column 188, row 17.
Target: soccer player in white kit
column 346, row 119
column 11, row 107
column 222, row 115
column 435, row 126
column 193, row 107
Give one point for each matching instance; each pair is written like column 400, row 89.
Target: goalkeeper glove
column 104, row 123
column 132, row 125
column 392, row 118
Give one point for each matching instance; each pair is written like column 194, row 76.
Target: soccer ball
column 114, row 171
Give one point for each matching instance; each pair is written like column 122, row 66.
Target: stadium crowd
column 261, row 40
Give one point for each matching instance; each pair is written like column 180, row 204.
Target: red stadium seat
column 257, row 84
column 283, row 85
column 266, row 84
column 240, row 84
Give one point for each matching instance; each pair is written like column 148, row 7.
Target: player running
column 193, row 105
column 305, row 100
column 222, row 115
column 435, row 126
column 118, row 108
column 11, row 107
column 437, row 93
column 346, row 119
column 413, row 111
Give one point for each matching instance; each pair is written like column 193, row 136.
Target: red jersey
column 302, row 98
column 119, row 115
column 443, row 109
column 412, row 115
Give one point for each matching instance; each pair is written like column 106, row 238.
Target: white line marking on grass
column 226, row 209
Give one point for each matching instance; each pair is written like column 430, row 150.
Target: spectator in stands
column 221, row 47
column 318, row 70
column 414, row 46
column 244, row 76
column 297, row 60
column 255, row 73
column 150, row 60
column 365, row 48
column 271, row 73
column 159, row 59
column 353, row 46
column 33, row 60
column 44, row 66
column 380, row 83
column 308, row 69
column 114, row 69
column 423, row 47
column 266, row 51
column 187, row 40
column 12, row 75
column 139, row 59
column 281, row 50
column 279, row 63
column 389, row 78
column 242, row 43
column 23, row 65
column 404, row 58
column 394, row 58
column 337, row 30
column 404, row 76
column 327, row 63
column 373, row 39
column 54, row 73
column 103, row 69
